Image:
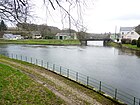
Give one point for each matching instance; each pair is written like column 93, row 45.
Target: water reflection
column 3, row 49
column 95, row 43
column 124, row 51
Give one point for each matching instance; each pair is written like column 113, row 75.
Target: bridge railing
column 85, row 80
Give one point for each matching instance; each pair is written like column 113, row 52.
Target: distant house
column 125, row 30
column 65, row 36
column 12, row 37
column 36, row 35
column 129, row 33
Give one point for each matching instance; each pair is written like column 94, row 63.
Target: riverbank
column 41, row 42
column 113, row 44
column 128, row 46
column 132, row 47
column 18, row 88
column 69, row 91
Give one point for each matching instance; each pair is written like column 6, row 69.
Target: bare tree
column 66, row 6
column 14, row 10
column 19, row 10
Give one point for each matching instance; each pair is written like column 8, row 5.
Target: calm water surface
column 119, row 68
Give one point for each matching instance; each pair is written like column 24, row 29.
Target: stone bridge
column 96, row 37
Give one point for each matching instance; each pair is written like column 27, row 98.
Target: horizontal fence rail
column 92, row 83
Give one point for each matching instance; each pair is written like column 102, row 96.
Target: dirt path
column 72, row 95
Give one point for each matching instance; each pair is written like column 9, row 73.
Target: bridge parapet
column 96, row 37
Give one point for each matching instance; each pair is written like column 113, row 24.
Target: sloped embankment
column 71, row 92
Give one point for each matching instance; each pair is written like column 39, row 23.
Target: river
column 117, row 67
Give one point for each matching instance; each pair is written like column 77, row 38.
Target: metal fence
column 97, row 85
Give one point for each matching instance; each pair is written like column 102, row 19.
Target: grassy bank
column 113, row 44
column 18, row 89
column 41, row 41
column 128, row 46
column 71, row 92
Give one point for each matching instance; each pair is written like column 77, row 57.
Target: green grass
column 41, row 41
column 113, row 44
column 128, row 46
column 18, row 89
column 134, row 47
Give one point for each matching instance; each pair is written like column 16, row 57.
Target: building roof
column 11, row 36
column 126, row 28
column 65, row 34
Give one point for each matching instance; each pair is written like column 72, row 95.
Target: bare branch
column 23, row 3
column 78, row 5
column 18, row 10
column 15, row 10
column 52, row 4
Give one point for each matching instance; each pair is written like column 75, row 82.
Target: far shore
column 126, row 46
column 55, row 42
column 42, row 42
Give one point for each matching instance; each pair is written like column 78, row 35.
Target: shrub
column 123, row 41
column 134, row 42
column 126, row 41
column 117, row 40
column 138, row 42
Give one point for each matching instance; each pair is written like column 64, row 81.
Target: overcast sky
column 100, row 17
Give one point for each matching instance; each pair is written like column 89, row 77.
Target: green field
column 41, row 41
column 18, row 89
column 134, row 47
column 113, row 44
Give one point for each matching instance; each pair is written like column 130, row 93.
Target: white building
column 65, row 36
column 128, row 33
column 131, row 35
column 12, row 37
column 36, row 35
column 125, row 30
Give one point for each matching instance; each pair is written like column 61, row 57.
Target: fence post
column 12, row 55
column 115, row 94
column 87, row 80
column 21, row 57
column 47, row 65
column 68, row 73
column 60, row 69
column 31, row 59
column 36, row 61
column 134, row 100
column 42, row 63
column 76, row 76
column 26, row 58
column 16, row 56
column 100, row 87
column 53, row 67
column 139, row 101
